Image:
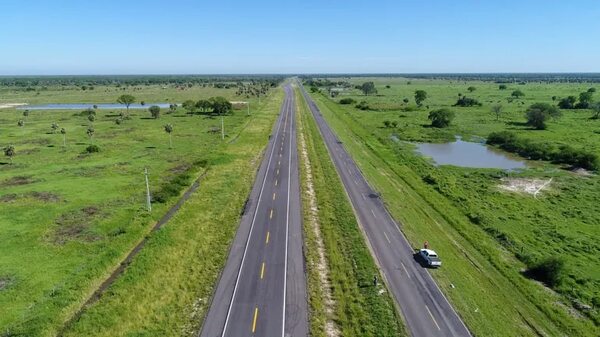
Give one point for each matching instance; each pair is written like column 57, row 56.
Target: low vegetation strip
column 322, row 305
column 361, row 309
column 479, row 275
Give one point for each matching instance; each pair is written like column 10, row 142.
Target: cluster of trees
column 585, row 100
column 215, row 105
column 368, row 88
column 441, row 118
column 256, row 90
column 465, row 101
column 560, row 154
column 538, row 114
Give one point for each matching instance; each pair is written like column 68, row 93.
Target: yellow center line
column 273, row 195
column 262, row 271
column 267, row 240
column 271, row 214
column 254, row 320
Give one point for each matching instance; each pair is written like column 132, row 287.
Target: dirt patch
column 331, row 328
column 75, row 225
column 526, row 186
column 17, row 181
column 9, row 197
column 181, row 168
column 5, row 282
column 45, row 196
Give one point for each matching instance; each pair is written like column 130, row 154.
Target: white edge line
column 287, row 221
column 250, row 233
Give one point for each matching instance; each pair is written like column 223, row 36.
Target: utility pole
column 148, row 203
column 222, row 128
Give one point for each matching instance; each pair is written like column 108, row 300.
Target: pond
column 469, row 154
column 83, row 106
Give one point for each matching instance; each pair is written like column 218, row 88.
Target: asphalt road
column 424, row 307
column 262, row 289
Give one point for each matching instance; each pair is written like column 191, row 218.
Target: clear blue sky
column 333, row 36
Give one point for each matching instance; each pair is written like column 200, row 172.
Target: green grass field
column 360, row 309
column 68, row 217
column 479, row 230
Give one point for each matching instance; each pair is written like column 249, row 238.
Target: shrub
column 347, row 101
column 567, row 102
column 465, row 101
column 549, row 271
column 502, row 87
column 441, row 118
column 92, row 149
column 363, row 105
column 538, row 113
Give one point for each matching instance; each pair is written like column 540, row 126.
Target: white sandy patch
column 528, row 186
column 11, row 105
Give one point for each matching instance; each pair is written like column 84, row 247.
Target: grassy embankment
column 68, row 218
column 360, row 309
column 477, row 228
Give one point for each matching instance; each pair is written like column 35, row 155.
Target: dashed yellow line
column 262, row 271
column 267, row 240
column 254, row 320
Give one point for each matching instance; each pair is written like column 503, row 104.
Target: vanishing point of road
column 262, row 290
column 425, row 309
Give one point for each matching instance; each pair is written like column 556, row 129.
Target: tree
column 567, row 102
column 387, row 123
column 21, row 123
column 550, row 271
column 173, row 107
column 203, row 105
column 54, row 127
column 154, row 111
column 127, row 100
column 169, row 130
column 596, row 110
column 420, row 96
column 63, row 131
column 537, row 114
column 405, row 101
column 517, row 94
column 502, row 87
column 471, row 89
column 220, row 105
column 91, row 118
column 441, row 118
column 189, row 105
column 585, row 100
column 497, row 110
column 90, row 132
column 592, row 90
column 368, row 88
column 465, row 101
column 26, row 114
column 9, row 151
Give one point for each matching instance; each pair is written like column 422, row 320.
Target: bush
column 564, row 154
column 92, row 149
column 347, row 101
column 549, row 271
column 465, row 101
column 441, row 118
column 538, row 113
column 171, row 188
column 363, row 106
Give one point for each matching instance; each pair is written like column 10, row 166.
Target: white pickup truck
column 430, row 257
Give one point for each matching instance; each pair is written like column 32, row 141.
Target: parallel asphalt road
column 426, row 310
column 262, row 290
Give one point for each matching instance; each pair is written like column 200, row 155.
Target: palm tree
column 90, row 132
column 9, row 151
column 63, row 131
column 169, row 130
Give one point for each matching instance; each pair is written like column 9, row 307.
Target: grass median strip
column 360, row 308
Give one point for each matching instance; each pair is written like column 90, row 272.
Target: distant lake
column 83, row 106
column 469, row 154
